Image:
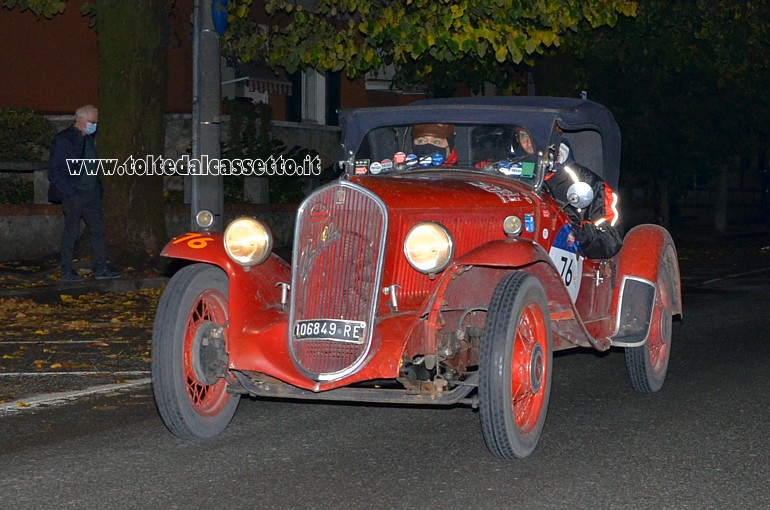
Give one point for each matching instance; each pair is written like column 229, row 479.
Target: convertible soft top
column 588, row 126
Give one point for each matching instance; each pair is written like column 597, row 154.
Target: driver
column 596, row 227
column 434, row 144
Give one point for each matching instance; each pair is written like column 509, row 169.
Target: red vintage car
column 417, row 282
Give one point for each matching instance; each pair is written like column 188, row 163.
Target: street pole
column 206, row 190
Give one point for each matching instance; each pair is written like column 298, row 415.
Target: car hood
column 447, row 189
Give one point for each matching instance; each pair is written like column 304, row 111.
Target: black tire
column 647, row 365
column 195, row 297
column 516, row 351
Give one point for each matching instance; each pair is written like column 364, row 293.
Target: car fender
column 200, row 247
column 472, row 278
column 647, row 249
column 504, row 253
column 254, row 287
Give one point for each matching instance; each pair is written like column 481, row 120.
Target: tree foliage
column 478, row 39
column 24, row 135
column 40, row 8
column 686, row 80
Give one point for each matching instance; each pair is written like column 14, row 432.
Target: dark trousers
column 86, row 205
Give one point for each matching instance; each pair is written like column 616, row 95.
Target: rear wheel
column 647, row 365
column 515, row 367
column 189, row 353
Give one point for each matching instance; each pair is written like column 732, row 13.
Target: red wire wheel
column 209, row 309
column 515, row 367
column 189, row 353
column 647, row 365
column 529, row 368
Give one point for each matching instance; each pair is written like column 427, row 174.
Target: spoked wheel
column 189, row 354
column 515, row 367
column 647, row 365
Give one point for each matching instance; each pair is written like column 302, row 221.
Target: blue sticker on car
column 564, row 254
column 529, row 223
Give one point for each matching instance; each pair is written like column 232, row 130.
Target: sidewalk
column 60, row 339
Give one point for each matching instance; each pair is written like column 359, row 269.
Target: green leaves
column 24, row 135
column 40, row 8
column 357, row 36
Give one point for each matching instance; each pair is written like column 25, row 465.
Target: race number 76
column 566, row 270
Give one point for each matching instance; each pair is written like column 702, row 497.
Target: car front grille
column 339, row 243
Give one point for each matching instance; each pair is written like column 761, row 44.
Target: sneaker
column 107, row 274
column 71, row 276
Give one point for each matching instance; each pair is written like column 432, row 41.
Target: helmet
column 521, row 144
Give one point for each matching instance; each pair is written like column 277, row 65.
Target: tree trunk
column 132, row 95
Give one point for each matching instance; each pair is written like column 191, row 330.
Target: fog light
column 204, row 219
column 512, row 225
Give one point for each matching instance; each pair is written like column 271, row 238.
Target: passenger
column 434, row 139
column 522, row 138
column 509, row 154
column 596, row 227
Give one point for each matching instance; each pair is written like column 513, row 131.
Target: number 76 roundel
column 564, row 254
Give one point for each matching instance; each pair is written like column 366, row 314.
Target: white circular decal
column 564, row 254
column 545, row 233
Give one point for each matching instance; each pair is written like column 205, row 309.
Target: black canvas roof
column 590, row 127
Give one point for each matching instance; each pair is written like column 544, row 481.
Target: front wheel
column 189, row 353
column 515, row 367
column 647, row 365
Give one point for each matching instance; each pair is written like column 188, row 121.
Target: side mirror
column 580, row 195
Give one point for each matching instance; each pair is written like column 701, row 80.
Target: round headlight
column 428, row 247
column 512, row 225
column 204, row 219
column 248, row 241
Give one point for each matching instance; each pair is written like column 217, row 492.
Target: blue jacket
column 67, row 144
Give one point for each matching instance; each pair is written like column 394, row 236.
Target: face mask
column 428, row 149
column 91, row 128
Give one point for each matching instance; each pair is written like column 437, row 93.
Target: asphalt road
column 701, row 443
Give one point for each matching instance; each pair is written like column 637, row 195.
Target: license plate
column 330, row 329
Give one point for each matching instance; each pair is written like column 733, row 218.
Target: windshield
column 507, row 150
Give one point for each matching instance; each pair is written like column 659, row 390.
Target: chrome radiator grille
column 339, row 242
